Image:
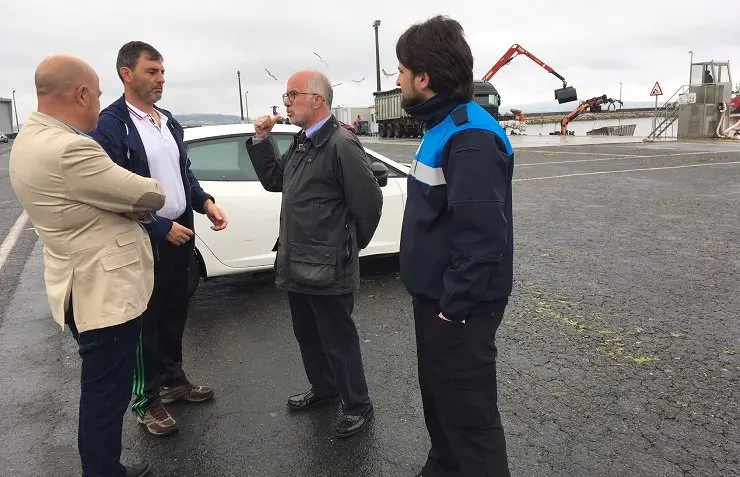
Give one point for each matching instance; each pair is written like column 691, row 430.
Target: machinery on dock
column 594, row 105
column 393, row 121
column 566, row 94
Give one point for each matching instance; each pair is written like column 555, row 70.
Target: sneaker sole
column 166, row 432
column 169, row 400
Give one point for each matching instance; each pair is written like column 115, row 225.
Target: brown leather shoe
column 158, row 421
column 185, row 392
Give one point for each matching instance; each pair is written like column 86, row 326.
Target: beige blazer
column 76, row 196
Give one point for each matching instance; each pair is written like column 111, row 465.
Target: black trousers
column 330, row 347
column 163, row 323
column 108, row 356
column 457, row 378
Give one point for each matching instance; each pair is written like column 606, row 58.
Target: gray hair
column 320, row 84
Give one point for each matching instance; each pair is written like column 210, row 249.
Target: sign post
column 656, row 91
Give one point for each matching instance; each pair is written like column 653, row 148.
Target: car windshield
column 226, row 158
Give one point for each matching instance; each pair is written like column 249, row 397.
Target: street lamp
column 241, row 105
column 376, row 24
column 246, row 104
column 15, row 106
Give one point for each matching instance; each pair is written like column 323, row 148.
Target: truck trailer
column 394, row 122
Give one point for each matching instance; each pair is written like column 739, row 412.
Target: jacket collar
column 120, row 109
column 51, row 121
column 325, row 132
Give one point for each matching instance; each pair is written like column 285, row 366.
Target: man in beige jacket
column 99, row 267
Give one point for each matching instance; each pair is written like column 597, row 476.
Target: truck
column 393, row 121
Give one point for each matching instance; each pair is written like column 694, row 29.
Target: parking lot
column 619, row 354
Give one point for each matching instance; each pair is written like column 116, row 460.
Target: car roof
column 198, row 133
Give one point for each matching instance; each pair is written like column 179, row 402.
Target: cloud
column 204, row 43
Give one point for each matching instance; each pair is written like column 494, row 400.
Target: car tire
column 194, row 272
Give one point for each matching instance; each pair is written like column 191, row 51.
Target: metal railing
column 666, row 115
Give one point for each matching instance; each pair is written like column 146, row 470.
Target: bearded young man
column 148, row 141
column 456, row 250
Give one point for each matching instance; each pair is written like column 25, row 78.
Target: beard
column 413, row 98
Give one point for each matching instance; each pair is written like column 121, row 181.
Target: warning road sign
column 657, row 90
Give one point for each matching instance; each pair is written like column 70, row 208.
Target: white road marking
column 620, row 156
column 577, row 174
column 12, row 238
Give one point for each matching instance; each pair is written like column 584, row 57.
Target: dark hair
column 129, row 55
column 438, row 48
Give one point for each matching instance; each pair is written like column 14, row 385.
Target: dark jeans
column 330, row 347
column 108, row 357
column 457, row 377
column 163, row 325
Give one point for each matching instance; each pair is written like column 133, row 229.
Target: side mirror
column 380, row 171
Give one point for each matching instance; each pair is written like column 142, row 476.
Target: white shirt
column 163, row 157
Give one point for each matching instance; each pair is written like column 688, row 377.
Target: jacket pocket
column 313, row 265
column 126, row 238
column 120, row 260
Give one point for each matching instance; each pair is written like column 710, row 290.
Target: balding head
column 62, row 74
column 69, row 89
column 313, row 98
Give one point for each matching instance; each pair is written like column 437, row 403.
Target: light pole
column 376, row 24
column 246, row 104
column 620, row 95
column 691, row 65
column 241, row 105
column 15, row 106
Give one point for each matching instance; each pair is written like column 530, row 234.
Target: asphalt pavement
column 619, row 354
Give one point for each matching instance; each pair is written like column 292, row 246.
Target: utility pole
column 15, row 106
column 376, row 24
column 241, row 105
column 246, row 104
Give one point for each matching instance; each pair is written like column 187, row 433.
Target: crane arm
column 512, row 53
column 588, row 104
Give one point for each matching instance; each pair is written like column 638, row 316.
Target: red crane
column 594, row 104
column 565, row 94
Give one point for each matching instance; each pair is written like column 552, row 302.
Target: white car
column 3, row 137
column 220, row 161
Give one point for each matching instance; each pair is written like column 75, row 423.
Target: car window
column 227, row 159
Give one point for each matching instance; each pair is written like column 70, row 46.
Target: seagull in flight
column 359, row 81
column 322, row 60
column 270, row 74
column 388, row 75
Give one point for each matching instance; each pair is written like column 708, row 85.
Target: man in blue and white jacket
column 456, row 249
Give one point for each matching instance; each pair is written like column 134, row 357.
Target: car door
column 387, row 236
column 224, row 170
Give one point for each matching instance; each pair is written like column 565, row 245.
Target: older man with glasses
column 331, row 207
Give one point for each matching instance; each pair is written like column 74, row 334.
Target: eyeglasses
column 290, row 95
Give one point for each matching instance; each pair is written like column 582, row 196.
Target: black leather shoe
column 137, row 470
column 351, row 424
column 308, row 400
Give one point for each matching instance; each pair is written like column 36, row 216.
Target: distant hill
column 554, row 107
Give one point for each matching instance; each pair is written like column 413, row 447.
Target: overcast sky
column 204, row 43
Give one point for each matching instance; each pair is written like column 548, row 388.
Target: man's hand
column 179, row 234
column 264, row 124
column 215, row 215
column 442, row 317
column 133, row 215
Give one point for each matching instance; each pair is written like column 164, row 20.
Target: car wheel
column 193, row 273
